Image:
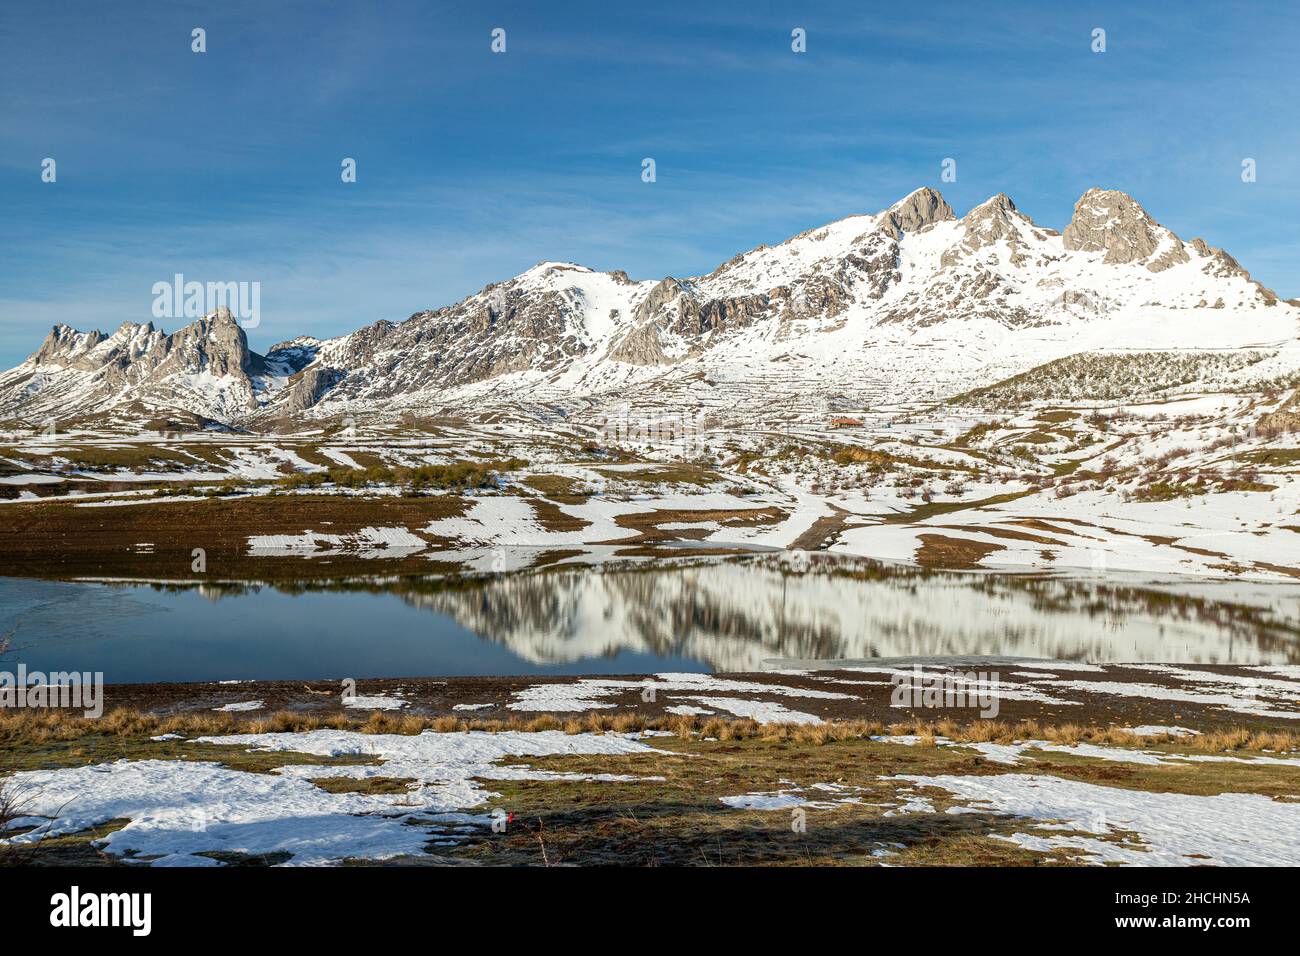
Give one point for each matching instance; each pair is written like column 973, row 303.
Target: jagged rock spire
column 919, row 209
column 1107, row 219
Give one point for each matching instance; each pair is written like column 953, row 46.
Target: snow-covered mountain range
column 909, row 303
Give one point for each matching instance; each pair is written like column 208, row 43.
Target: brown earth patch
column 62, row 539
column 823, row 532
column 647, row 523
column 941, row 551
column 303, row 704
column 996, row 532
column 1038, row 524
column 552, row 518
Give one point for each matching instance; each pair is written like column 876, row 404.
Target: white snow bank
column 590, row 693
column 1175, row 829
column 368, row 543
column 180, row 808
column 377, row 702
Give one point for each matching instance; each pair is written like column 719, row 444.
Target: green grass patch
column 456, row 476
column 665, row 475
column 1272, row 457
column 1057, row 417
column 561, row 487
column 368, row 785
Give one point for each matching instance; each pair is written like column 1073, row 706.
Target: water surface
column 690, row 614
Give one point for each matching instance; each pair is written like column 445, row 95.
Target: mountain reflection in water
column 733, row 615
column 727, row 615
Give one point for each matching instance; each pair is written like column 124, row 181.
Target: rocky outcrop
column 1224, row 266
column 309, row 386
column 216, row 345
column 206, row 368
column 992, row 221
column 665, row 293
column 65, row 346
column 1110, row 221
column 670, row 313
column 1285, row 418
column 641, row 346
column 913, row 213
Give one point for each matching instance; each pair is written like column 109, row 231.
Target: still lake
column 725, row 615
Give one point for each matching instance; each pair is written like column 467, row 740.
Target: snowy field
column 1199, row 479
column 452, row 795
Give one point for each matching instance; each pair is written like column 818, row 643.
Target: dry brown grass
column 10, row 803
column 13, row 803
column 35, row 727
column 993, row 731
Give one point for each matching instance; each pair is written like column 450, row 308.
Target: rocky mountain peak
column 921, row 208
column 1111, row 221
column 143, row 358
column 999, row 205
column 991, row 221
column 62, row 343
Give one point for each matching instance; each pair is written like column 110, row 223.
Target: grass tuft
column 40, row 727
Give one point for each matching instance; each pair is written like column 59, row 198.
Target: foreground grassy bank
column 27, row 736
column 696, row 791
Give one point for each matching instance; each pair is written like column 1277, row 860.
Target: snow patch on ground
column 1012, row 753
column 1174, row 829
column 590, row 694
column 242, row 706
column 764, row 801
column 366, row 543
column 179, row 808
column 378, row 702
column 763, row 711
column 1155, row 730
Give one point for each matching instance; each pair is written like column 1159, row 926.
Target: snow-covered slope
column 908, row 303
column 205, row 368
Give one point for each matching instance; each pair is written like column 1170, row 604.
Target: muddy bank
column 1205, row 698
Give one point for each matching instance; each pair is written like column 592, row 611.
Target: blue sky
column 473, row 166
